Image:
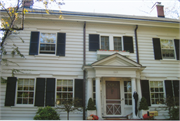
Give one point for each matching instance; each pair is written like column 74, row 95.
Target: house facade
column 106, row 57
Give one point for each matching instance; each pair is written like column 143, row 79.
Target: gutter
column 84, row 72
column 137, row 51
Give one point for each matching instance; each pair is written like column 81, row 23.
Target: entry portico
column 116, row 79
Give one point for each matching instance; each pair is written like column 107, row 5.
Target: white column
column 98, row 98
column 89, row 89
column 133, row 85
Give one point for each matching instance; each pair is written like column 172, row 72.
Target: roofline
column 103, row 15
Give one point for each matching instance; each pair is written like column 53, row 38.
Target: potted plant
column 91, row 109
column 143, row 107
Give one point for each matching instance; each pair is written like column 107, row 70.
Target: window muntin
column 105, row 42
column 127, row 93
column 117, row 43
column 47, row 43
column 167, row 48
column 25, row 91
column 157, row 92
column 64, row 90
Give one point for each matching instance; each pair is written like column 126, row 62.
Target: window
column 94, row 92
column 47, row 43
column 127, row 93
column 156, row 92
column 64, row 90
column 25, row 91
column 104, row 42
column 117, row 43
column 167, row 48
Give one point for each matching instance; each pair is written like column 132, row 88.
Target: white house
column 106, row 57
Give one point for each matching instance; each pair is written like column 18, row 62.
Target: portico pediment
column 117, row 60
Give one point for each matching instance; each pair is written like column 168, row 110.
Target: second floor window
column 104, row 42
column 167, row 48
column 47, row 43
column 117, row 43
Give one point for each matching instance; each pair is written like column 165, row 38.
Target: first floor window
column 47, row 43
column 156, row 92
column 167, row 48
column 127, row 93
column 64, row 90
column 94, row 92
column 105, row 42
column 117, row 43
column 25, row 91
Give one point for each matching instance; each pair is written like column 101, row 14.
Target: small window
column 25, row 91
column 157, row 92
column 167, row 48
column 94, row 92
column 47, row 43
column 105, row 42
column 117, row 43
column 127, row 93
column 64, row 90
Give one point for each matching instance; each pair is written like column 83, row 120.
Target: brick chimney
column 160, row 10
column 28, row 3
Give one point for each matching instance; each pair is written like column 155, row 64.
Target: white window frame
column 73, row 91
column 162, row 92
column 40, row 42
column 16, row 95
column 111, row 40
column 173, row 49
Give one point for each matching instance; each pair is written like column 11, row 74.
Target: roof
column 104, row 15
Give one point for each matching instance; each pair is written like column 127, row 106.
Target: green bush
column 90, row 105
column 174, row 114
column 46, row 113
column 143, row 104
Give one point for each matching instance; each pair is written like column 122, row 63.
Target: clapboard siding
column 66, row 67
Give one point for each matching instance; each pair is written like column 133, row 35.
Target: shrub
column 46, row 113
column 143, row 104
column 90, row 105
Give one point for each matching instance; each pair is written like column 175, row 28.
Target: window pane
column 105, row 42
column 117, row 43
column 25, row 92
column 48, row 38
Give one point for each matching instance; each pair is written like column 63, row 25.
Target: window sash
column 64, row 90
column 47, row 46
column 25, row 91
column 156, row 92
column 105, row 42
column 128, row 92
column 167, row 49
column 117, row 43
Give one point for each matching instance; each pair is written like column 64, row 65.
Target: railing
column 113, row 106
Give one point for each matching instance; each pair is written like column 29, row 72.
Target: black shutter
column 128, row 44
column 79, row 91
column 40, row 89
column 34, row 43
column 157, row 49
column 61, row 44
column 93, row 42
column 10, row 91
column 145, row 90
column 168, row 87
column 176, row 91
column 50, row 92
column 176, row 42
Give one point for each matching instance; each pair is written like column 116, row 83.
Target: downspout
column 84, row 63
column 137, row 51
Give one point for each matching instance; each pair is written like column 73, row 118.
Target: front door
column 113, row 99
